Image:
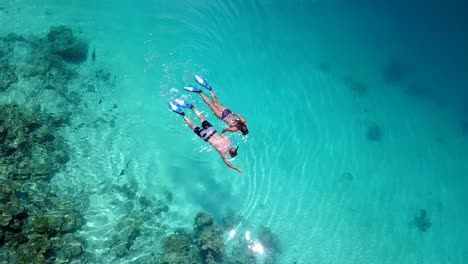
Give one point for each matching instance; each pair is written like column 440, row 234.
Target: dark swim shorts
column 206, row 131
column 225, row 113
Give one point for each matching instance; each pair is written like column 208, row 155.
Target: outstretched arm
column 223, row 156
column 229, row 129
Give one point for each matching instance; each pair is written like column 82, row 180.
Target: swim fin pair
column 200, row 81
column 174, row 104
column 178, row 102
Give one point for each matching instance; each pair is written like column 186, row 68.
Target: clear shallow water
column 310, row 174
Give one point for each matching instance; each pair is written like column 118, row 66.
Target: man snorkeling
column 234, row 120
column 220, row 142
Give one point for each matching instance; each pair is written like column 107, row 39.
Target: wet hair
column 242, row 127
column 244, row 130
column 233, row 151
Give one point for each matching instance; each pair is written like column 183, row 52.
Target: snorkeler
column 207, row 132
column 234, row 120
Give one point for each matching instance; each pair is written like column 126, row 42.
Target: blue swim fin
column 201, row 81
column 182, row 103
column 175, row 108
column 191, row 88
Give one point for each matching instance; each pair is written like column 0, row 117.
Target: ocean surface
column 357, row 112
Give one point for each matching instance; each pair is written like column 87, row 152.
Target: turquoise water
column 309, row 77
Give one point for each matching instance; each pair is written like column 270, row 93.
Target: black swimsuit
column 206, row 131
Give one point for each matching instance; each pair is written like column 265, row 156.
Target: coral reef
column 206, row 246
column 125, row 234
column 231, row 220
column 240, row 253
column 179, row 249
column 131, row 225
column 30, row 150
column 270, row 242
column 36, row 225
column 209, row 238
column 421, row 221
column 44, row 62
column 7, row 74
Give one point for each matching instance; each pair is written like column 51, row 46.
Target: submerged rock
column 269, row 240
column 126, row 231
column 65, row 248
column 205, row 245
column 179, row 249
column 7, row 75
column 209, row 238
column 67, row 46
column 34, row 222
column 28, row 144
column 5, row 217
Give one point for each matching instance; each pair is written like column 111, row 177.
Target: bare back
column 220, row 142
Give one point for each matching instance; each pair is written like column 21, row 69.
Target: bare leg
column 216, row 102
column 205, row 98
column 189, row 122
column 212, row 106
column 213, row 95
column 198, row 114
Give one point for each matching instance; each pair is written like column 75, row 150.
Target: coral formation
column 42, row 61
column 67, row 46
column 347, row 176
column 130, row 226
column 209, row 238
column 269, row 239
column 30, row 150
column 179, row 249
column 421, row 221
column 127, row 230
column 357, row 87
column 36, row 225
column 206, row 246
column 374, row 132
column 8, row 75
column 231, row 220
column 395, row 72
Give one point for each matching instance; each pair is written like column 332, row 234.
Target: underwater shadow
column 203, row 188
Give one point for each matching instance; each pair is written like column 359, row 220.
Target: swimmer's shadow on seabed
column 204, row 189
